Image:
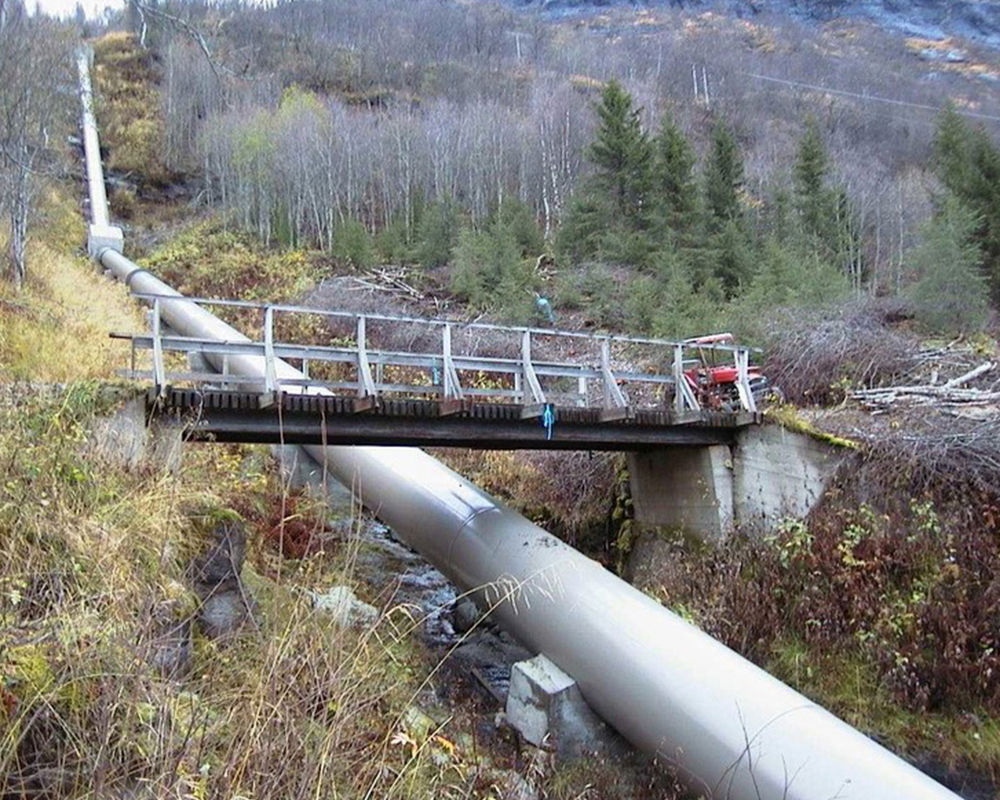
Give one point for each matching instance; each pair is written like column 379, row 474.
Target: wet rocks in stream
column 476, row 656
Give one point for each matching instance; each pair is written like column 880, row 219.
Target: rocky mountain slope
column 977, row 20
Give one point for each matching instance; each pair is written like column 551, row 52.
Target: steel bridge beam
column 268, row 426
column 249, row 417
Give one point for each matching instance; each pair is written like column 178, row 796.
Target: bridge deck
column 388, row 358
column 228, row 416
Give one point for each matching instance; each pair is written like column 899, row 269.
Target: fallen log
column 950, row 393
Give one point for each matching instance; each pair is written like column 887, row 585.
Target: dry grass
column 209, row 260
column 93, row 561
column 56, row 328
column 129, row 108
column 93, row 567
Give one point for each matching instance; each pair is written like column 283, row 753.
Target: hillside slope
column 977, row 20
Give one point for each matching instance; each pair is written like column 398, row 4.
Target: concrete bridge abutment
column 767, row 475
column 689, row 488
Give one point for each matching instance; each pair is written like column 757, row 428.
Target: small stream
column 386, row 559
column 479, row 658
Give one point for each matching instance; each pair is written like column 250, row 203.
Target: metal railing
column 452, row 361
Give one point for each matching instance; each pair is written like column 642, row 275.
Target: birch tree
column 34, row 66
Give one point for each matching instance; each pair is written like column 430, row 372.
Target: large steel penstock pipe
column 731, row 729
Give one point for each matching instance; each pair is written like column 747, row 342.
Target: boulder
column 223, row 613
column 345, row 607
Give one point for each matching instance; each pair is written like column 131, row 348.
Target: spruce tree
column 678, row 217
column 610, row 214
column 953, row 159
column 622, row 154
column 809, row 173
column 674, row 189
column 518, row 219
column 683, row 309
column 437, row 233
column 792, row 277
column 733, row 257
column 951, row 293
column 581, row 232
column 489, row 270
column 968, row 164
column 723, row 176
column 825, row 215
column 728, row 241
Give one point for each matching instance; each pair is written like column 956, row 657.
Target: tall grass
column 94, row 559
column 93, row 563
column 55, row 329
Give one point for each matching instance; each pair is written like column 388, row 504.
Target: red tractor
column 714, row 380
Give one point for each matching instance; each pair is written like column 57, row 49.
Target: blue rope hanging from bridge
column 549, row 419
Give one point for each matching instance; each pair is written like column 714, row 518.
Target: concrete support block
column 689, row 488
column 104, row 237
column 545, row 706
column 779, row 473
column 165, row 445
column 125, row 440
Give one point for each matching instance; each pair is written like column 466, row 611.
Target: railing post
column 684, row 398
column 743, row 380
column 581, row 389
column 452, row 388
column 366, row 386
column 159, row 371
column 270, row 370
column 530, row 378
column 680, row 383
column 614, row 397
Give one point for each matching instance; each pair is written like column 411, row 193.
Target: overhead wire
column 868, row 97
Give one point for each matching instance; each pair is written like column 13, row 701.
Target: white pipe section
column 731, row 729
column 91, row 145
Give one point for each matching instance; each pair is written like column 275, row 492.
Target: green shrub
column 488, row 270
column 391, row 245
column 352, row 245
column 437, row 234
column 517, row 218
column 951, row 293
